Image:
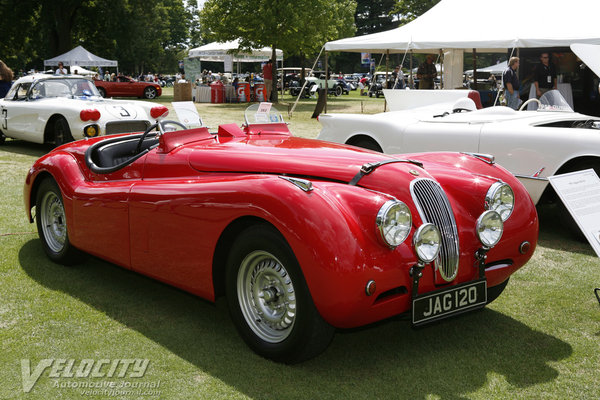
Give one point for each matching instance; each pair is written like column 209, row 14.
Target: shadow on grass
column 386, row 360
column 25, row 148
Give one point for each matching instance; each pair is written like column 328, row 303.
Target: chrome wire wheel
column 267, row 297
column 53, row 221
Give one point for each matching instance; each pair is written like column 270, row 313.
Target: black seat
column 110, row 155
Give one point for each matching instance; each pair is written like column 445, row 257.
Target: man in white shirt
column 61, row 70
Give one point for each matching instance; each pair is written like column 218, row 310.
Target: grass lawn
column 540, row 339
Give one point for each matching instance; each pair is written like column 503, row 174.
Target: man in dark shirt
column 510, row 78
column 545, row 76
column 426, row 73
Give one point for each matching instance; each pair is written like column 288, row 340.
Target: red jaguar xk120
column 301, row 236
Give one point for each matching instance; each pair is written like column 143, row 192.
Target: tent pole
column 326, row 81
column 475, row 69
column 387, row 68
column 305, row 82
column 441, row 69
column 412, row 81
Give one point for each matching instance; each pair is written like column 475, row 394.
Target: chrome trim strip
column 530, row 177
column 487, row 158
column 303, row 184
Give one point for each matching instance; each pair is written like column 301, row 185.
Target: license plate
column 447, row 302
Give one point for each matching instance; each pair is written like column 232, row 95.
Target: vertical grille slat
column 434, row 207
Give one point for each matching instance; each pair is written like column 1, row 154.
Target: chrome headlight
column 427, row 241
column 394, row 222
column 489, row 228
column 500, row 198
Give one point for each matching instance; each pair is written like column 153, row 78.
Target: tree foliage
column 140, row 34
column 374, row 16
column 295, row 27
column 407, row 10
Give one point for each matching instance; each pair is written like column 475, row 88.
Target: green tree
column 296, row 28
column 407, row 10
column 374, row 16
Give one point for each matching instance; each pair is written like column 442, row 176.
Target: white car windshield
column 553, row 101
column 262, row 113
column 71, row 88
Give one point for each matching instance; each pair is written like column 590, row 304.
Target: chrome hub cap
column 267, row 297
column 54, row 223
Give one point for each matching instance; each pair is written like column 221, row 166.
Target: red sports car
column 127, row 87
column 302, row 236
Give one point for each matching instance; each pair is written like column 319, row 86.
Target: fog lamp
column 91, row 131
column 489, row 228
column 427, row 241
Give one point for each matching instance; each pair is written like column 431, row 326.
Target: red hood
column 286, row 155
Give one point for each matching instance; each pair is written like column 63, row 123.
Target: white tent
column 495, row 69
column 76, row 69
column 218, row 51
column 81, row 57
column 462, row 24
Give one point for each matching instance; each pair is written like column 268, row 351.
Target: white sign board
column 187, row 114
column 228, row 63
column 580, row 193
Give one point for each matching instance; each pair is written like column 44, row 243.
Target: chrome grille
column 126, row 126
column 434, row 207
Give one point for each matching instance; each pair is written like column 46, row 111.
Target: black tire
column 102, row 92
column 339, row 91
column 377, row 94
column 2, row 138
column 495, row 291
column 370, row 94
column 150, row 93
column 52, row 224
column 62, row 132
column 279, row 322
column 367, row 143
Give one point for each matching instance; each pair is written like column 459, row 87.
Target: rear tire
column 51, row 223
column 339, row 91
column 2, row 138
column 269, row 301
column 367, row 143
column 150, row 93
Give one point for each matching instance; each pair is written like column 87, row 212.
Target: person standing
column 426, row 73
column 267, row 71
column 6, row 77
column 545, row 75
column 61, row 70
column 510, row 79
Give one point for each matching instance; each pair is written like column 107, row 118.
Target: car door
column 21, row 115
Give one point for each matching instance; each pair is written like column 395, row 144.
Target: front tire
column 150, row 93
column 269, row 301
column 52, row 224
column 62, row 132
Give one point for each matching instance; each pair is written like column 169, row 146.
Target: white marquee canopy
column 81, row 57
column 469, row 24
column 218, row 51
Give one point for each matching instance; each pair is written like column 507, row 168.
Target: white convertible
column 533, row 145
column 59, row 109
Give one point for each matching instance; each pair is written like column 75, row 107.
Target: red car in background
column 127, row 87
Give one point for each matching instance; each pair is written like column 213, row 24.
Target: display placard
column 580, row 193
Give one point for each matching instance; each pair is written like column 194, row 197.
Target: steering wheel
column 138, row 148
column 532, row 100
column 161, row 127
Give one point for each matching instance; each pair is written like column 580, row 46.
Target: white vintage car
column 58, row 109
column 533, row 145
